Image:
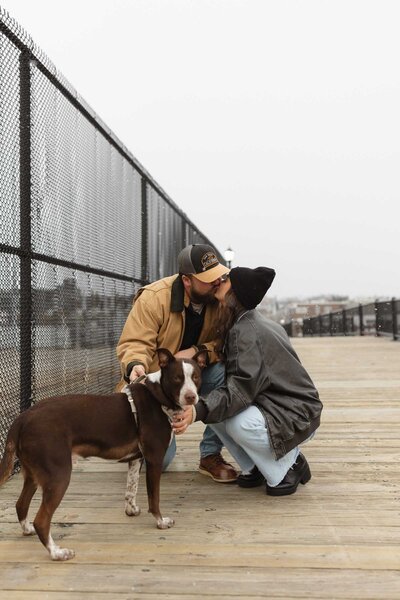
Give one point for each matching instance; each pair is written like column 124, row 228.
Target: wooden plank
column 202, row 583
column 280, row 556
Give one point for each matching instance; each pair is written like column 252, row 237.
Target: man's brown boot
column 216, row 467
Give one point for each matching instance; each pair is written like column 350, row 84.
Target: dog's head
column 180, row 379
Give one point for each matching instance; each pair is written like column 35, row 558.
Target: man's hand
column 137, row 371
column 188, row 353
column 183, row 419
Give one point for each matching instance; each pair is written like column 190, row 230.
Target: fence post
column 376, row 306
column 26, row 310
column 330, row 324
column 394, row 320
column 320, row 324
column 145, row 253
column 361, row 317
column 344, row 322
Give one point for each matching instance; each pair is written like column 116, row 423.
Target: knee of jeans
column 236, row 429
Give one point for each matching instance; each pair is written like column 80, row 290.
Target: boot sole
column 252, row 484
column 204, row 472
column 275, row 491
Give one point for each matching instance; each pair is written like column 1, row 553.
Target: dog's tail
column 7, row 463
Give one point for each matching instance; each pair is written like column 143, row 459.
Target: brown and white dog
column 47, row 435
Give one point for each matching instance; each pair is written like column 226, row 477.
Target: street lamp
column 229, row 256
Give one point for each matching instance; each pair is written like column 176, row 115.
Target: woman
column 268, row 405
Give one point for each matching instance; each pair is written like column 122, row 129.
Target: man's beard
column 207, row 298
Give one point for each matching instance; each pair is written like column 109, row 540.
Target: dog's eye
column 178, row 379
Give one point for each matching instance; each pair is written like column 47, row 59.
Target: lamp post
column 229, row 256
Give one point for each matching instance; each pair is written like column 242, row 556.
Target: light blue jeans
column 211, row 378
column 246, row 437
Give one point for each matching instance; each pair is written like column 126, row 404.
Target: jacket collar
column 241, row 314
column 179, row 298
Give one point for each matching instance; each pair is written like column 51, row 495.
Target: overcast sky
column 274, row 125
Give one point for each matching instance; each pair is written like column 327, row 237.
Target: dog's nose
column 190, row 398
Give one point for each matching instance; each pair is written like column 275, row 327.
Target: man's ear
column 201, row 358
column 164, row 357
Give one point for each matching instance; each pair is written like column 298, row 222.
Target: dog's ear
column 201, row 358
column 164, row 357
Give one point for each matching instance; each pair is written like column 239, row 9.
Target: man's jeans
column 212, row 378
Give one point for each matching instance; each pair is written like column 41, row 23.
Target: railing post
column 352, row 324
column 320, row 324
column 361, row 317
column 145, row 253
column 26, row 310
column 376, row 306
column 183, row 235
column 330, row 324
column 344, row 322
column 394, row 320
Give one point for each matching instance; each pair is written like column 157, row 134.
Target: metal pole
column 361, row 317
column 26, row 322
column 330, row 324
column 145, row 236
column 344, row 322
column 376, row 305
column 394, row 320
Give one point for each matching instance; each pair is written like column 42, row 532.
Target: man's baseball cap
column 200, row 260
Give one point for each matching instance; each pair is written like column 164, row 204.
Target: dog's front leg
column 131, row 508
column 153, row 476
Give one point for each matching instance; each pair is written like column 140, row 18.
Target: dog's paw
column 165, row 523
column 61, row 554
column 132, row 510
column 27, row 528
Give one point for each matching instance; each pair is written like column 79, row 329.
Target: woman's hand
column 183, row 419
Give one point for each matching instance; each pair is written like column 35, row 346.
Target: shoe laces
column 218, row 460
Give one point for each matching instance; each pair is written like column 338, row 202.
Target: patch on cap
column 208, row 261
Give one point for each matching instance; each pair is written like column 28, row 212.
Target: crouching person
column 269, row 404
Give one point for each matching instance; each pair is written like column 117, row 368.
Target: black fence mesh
column 83, row 225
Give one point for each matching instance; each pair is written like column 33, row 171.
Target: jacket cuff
column 129, row 369
column 201, row 411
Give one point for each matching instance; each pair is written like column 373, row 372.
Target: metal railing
column 378, row 318
column 83, row 225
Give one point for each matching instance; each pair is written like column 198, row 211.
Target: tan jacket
column 157, row 320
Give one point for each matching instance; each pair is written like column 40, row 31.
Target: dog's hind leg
column 54, row 489
column 132, row 482
column 153, row 476
column 23, row 503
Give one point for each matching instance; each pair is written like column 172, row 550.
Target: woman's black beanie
column 251, row 285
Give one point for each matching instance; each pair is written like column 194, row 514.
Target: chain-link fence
column 83, row 225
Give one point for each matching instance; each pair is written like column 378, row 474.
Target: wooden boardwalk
column 337, row 537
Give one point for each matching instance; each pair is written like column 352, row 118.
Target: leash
column 126, row 390
column 169, row 412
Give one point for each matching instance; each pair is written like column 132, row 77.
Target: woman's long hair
column 226, row 316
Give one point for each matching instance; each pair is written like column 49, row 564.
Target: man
column 179, row 313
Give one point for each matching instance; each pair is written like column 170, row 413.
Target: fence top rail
column 22, row 40
column 372, row 306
